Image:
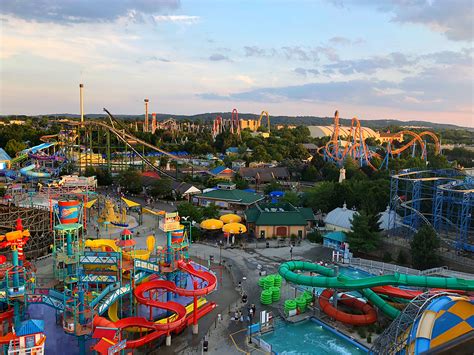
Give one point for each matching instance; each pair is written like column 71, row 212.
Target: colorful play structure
column 147, row 294
column 339, row 148
column 445, row 313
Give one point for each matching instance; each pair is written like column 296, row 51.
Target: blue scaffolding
column 443, row 199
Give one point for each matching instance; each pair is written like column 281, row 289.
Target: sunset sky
column 405, row 59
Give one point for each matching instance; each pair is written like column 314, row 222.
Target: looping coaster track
column 338, row 149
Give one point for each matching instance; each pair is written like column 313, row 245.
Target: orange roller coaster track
column 337, row 150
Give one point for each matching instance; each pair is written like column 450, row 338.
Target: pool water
column 309, row 337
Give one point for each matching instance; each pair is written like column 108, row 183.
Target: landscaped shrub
column 315, row 237
column 362, row 332
column 387, row 257
column 402, row 258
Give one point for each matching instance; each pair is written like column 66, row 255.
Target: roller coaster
column 338, row 148
column 235, row 125
column 97, row 143
column 442, row 199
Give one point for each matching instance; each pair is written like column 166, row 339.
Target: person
column 244, row 298
column 251, row 312
column 254, row 308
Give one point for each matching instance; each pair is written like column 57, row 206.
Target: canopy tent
column 234, row 228
column 130, row 203
column 230, row 218
column 90, row 203
column 211, row 224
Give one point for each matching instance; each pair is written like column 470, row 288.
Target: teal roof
column 278, row 214
column 336, row 236
column 235, row 195
column 31, row 326
column 67, row 227
column 307, row 213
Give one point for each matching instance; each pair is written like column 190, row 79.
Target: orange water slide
column 369, row 315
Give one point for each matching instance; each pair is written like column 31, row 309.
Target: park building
column 227, row 196
column 340, row 219
column 344, row 131
column 268, row 220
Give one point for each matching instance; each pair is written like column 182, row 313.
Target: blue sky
column 405, row 59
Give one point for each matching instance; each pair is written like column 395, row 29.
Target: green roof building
column 268, row 220
column 228, row 197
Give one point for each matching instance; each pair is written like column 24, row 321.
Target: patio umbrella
column 234, row 228
column 230, row 218
column 211, row 224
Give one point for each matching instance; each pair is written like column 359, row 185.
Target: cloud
column 245, row 79
column 438, row 88
column 453, row 18
column 256, row 51
column 300, row 53
column 184, row 19
column 219, row 57
column 68, row 11
column 305, row 72
column 370, row 65
column 343, row 41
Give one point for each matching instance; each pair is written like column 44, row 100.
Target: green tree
column 13, row 146
column 291, row 197
column 362, row 238
column 130, row 180
column 424, row 245
column 161, row 188
column 273, row 186
column 187, row 209
column 211, row 211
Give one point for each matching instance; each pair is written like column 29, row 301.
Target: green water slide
column 328, row 279
column 19, row 158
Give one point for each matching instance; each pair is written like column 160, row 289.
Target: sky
column 390, row 59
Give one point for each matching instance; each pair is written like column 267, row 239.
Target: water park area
column 93, row 260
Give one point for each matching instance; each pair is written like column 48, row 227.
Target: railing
column 371, row 265
column 434, row 271
column 384, row 267
column 101, row 295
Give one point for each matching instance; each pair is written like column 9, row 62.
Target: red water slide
column 181, row 319
column 392, row 291
column 369, row 316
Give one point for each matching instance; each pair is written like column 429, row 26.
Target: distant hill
column 289, row 120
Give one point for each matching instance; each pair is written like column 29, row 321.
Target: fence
column 371, row 265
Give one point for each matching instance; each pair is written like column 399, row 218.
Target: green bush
column 402, row 258
column 315, row 237
column 387, row 257
column 378, row 329
column 362, row 332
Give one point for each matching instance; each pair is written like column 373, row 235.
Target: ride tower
column 68, row 247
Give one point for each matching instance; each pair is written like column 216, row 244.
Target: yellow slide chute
column 142, row 254
column 113, row 315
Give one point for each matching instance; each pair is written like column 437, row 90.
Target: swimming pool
column 311, row 337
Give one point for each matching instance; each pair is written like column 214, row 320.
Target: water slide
column 330, row 280
column 181, row 317
column 110, row 243
column 28, row 172
column 368, row 316
column 444, row 319
column 170, row 286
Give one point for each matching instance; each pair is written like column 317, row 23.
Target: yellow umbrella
column 234, row 228
column 212, row 224
column 230, row 218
